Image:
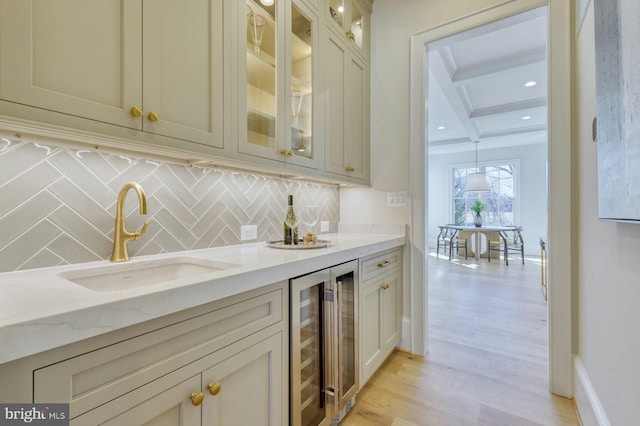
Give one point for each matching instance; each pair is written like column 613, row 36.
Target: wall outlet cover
column 248, row 232
column 324, row 226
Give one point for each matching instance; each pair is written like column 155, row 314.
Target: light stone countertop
column 39, row 310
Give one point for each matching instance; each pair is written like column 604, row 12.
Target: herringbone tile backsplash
column 57, row 205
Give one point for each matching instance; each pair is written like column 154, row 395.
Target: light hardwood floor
column 487, row 360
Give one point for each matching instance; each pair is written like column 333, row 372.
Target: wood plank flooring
column 487, row 360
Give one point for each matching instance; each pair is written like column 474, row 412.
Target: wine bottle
column 290, row 224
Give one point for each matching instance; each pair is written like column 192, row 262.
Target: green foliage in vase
column 478, row 207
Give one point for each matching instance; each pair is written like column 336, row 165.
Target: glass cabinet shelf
column 261, row 73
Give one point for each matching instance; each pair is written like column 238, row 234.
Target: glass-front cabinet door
column 303, row 30
column 281, row 47
column 260, row 49
column 349, row 18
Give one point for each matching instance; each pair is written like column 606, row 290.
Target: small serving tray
column 279, row 244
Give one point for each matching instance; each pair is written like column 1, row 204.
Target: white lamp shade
column 477, row 182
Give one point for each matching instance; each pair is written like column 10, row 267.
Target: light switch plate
column 397, row 199
column 248, row 232
column 324, row 226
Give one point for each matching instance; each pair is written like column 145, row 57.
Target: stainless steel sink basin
column 123, row 276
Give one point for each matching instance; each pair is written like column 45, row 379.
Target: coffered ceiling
column 478, row 87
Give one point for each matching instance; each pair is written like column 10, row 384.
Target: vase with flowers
column 478, row 207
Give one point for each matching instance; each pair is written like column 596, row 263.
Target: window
column 500, row 201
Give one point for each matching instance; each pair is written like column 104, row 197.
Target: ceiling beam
column 442, row 75
column 509, row 108
column 500, row 67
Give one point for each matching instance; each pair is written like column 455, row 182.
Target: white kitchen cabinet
column 216, row 396
column 153, row 66
column 380, row 310
column 278, row 67
column 149, row 373
column 346, row 110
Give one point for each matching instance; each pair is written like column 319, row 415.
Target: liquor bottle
column 290, row 224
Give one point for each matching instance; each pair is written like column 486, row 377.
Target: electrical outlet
column 324, row 226
column 248, row 232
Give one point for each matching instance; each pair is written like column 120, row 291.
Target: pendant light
column 477, row 182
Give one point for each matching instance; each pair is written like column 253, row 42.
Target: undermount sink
column 124, row 276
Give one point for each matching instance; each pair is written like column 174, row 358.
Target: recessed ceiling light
column 526, row 117
column 530, row 83
column 441, row 127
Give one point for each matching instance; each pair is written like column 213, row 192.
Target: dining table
column 479, row 237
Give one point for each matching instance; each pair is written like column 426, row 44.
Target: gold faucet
column 122, row 236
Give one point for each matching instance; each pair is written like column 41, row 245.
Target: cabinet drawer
column 94, row 378
column 380, row 264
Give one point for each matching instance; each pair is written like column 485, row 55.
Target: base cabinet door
column 247, row 388
column 172, row 407
column 380, row 310
column 370, row 319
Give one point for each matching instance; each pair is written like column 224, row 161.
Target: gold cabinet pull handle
column 214, row 388
column 196, row 398
column 136, row 111
column 385, row 286
column 287, row 153
column 350, row 169
column 153, row 116
column 385, row 263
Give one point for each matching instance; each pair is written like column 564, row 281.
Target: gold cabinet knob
column 350, row 169
column 136, row 111
column 385, row 286
column 351, row 36
column 153, row 116
column 214, row 388
column 196, row 398
column 383, row 264
column 286, row 153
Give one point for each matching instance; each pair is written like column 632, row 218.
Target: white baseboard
column 587, row 402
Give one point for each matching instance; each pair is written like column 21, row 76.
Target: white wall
column 532, row 177
column 608, row 272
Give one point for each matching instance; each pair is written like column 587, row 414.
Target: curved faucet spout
column 122, row 236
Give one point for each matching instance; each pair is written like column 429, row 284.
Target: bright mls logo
column 34, row 414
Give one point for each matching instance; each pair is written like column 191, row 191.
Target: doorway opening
column 558, row 155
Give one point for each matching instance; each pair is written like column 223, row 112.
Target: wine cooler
column 324, row 344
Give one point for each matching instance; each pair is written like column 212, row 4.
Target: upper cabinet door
column 78, row 57
column 303, row 74
column 183, row 67
column 278, row 61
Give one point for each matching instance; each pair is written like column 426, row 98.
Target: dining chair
column 510, row 240
column 443, row 239
column 448, row 238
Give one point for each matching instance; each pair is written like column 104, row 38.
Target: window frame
column 517, row 200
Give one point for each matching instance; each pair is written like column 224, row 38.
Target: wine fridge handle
column 329, row 345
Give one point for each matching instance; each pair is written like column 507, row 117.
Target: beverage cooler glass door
column 309, row 402
column 344, row 279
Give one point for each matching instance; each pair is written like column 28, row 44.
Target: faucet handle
column 144, row 229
